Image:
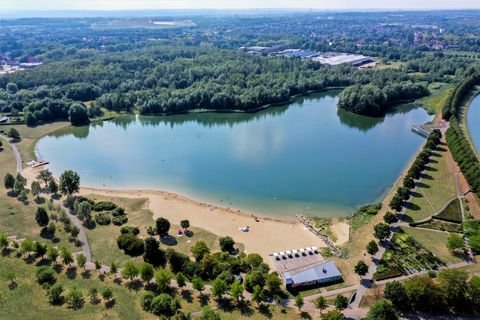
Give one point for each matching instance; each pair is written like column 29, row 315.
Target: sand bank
column 266, row 236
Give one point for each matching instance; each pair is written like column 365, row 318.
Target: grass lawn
column 103, row 239
column 452, row 212
column 30, row 136
column 28, row 300
column 435, row 101
column 18, row 218
column 437, row 185
column 434, row 241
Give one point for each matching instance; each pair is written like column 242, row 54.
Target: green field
column 434, row 241
column 452, row 213
column 436, row 188
column 435, row 101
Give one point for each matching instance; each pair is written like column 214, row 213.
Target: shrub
column 46, row 276
column 146, row 300
column 130, row 244
column 103, row 218
column 119, row 211
column 104, row 206
column 55, row 294
column 164, row 305
column 130, row 230
column 119, row 220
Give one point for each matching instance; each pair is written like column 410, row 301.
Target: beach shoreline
column 266, row 234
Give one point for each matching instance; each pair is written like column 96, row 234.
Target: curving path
column 14, row 148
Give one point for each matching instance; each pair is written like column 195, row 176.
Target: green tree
column 333, row 315
column 27, row 247
column 185, row 224
column 299, row 302
column 75, row 299
column 163, row 278
column 423, row 294
column 454, row 285
column 198, row 284
column 77, row 114
column 146, row 272
column 227, row 244
column 107, row 294
column 219, row 287
column 55, row 294
column 52, row 254
column 320, row 303
column 474, row 290
column 45, row 276
column 18, row 187
column 13, row 133
column 40, row 249
column 341, row 302
column 372, row 247
column 3, row 241
column 81, row 260
column 209, row 314
column 455, row 243
column 382, row 310
column 153, row 254
column 41, row 216
column 199, row 250
column 164, row 305
column 162, row 226
column 382, row 231
column 93, row 294
column 36, row 188
column 395, row 292
column 258, row 295
column 9, row 181
column 53, row 187
column 390, row 217
column 130, row 270
column 361, row 268
column 181, row 280
column 66, row 255
column 69, row 182
column 236, row 291
column 45, row 176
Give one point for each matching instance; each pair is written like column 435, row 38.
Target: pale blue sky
column 15, row 5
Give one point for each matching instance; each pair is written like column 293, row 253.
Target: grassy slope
column 434, row 241
column 30, row 137
column 435, row 101
column 438, row 186
column 28, row 300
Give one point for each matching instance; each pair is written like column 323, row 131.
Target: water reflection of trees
column 364, row 123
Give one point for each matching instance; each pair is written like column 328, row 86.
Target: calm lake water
column 305, row 158
column 473, row 121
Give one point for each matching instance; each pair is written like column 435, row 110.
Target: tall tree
column 41, row 216
column 163, row 226
column 69, row 182
column 45, row 176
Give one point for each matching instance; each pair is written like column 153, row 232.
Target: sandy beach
column 266, row 236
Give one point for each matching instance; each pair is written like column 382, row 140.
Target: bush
column 103, row 218
column 119, row 220
column 146, row 300
column 104, row 206
column 119, row 211
column 130, row 230
column 130, row 244
column 46, row 276
column 164, row 305
column 55, row 294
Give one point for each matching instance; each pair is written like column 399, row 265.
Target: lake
column 304, row 158
column 473, row 121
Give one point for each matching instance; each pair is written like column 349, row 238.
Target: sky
column 22, row 5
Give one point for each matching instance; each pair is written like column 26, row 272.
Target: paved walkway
column 14, row 148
